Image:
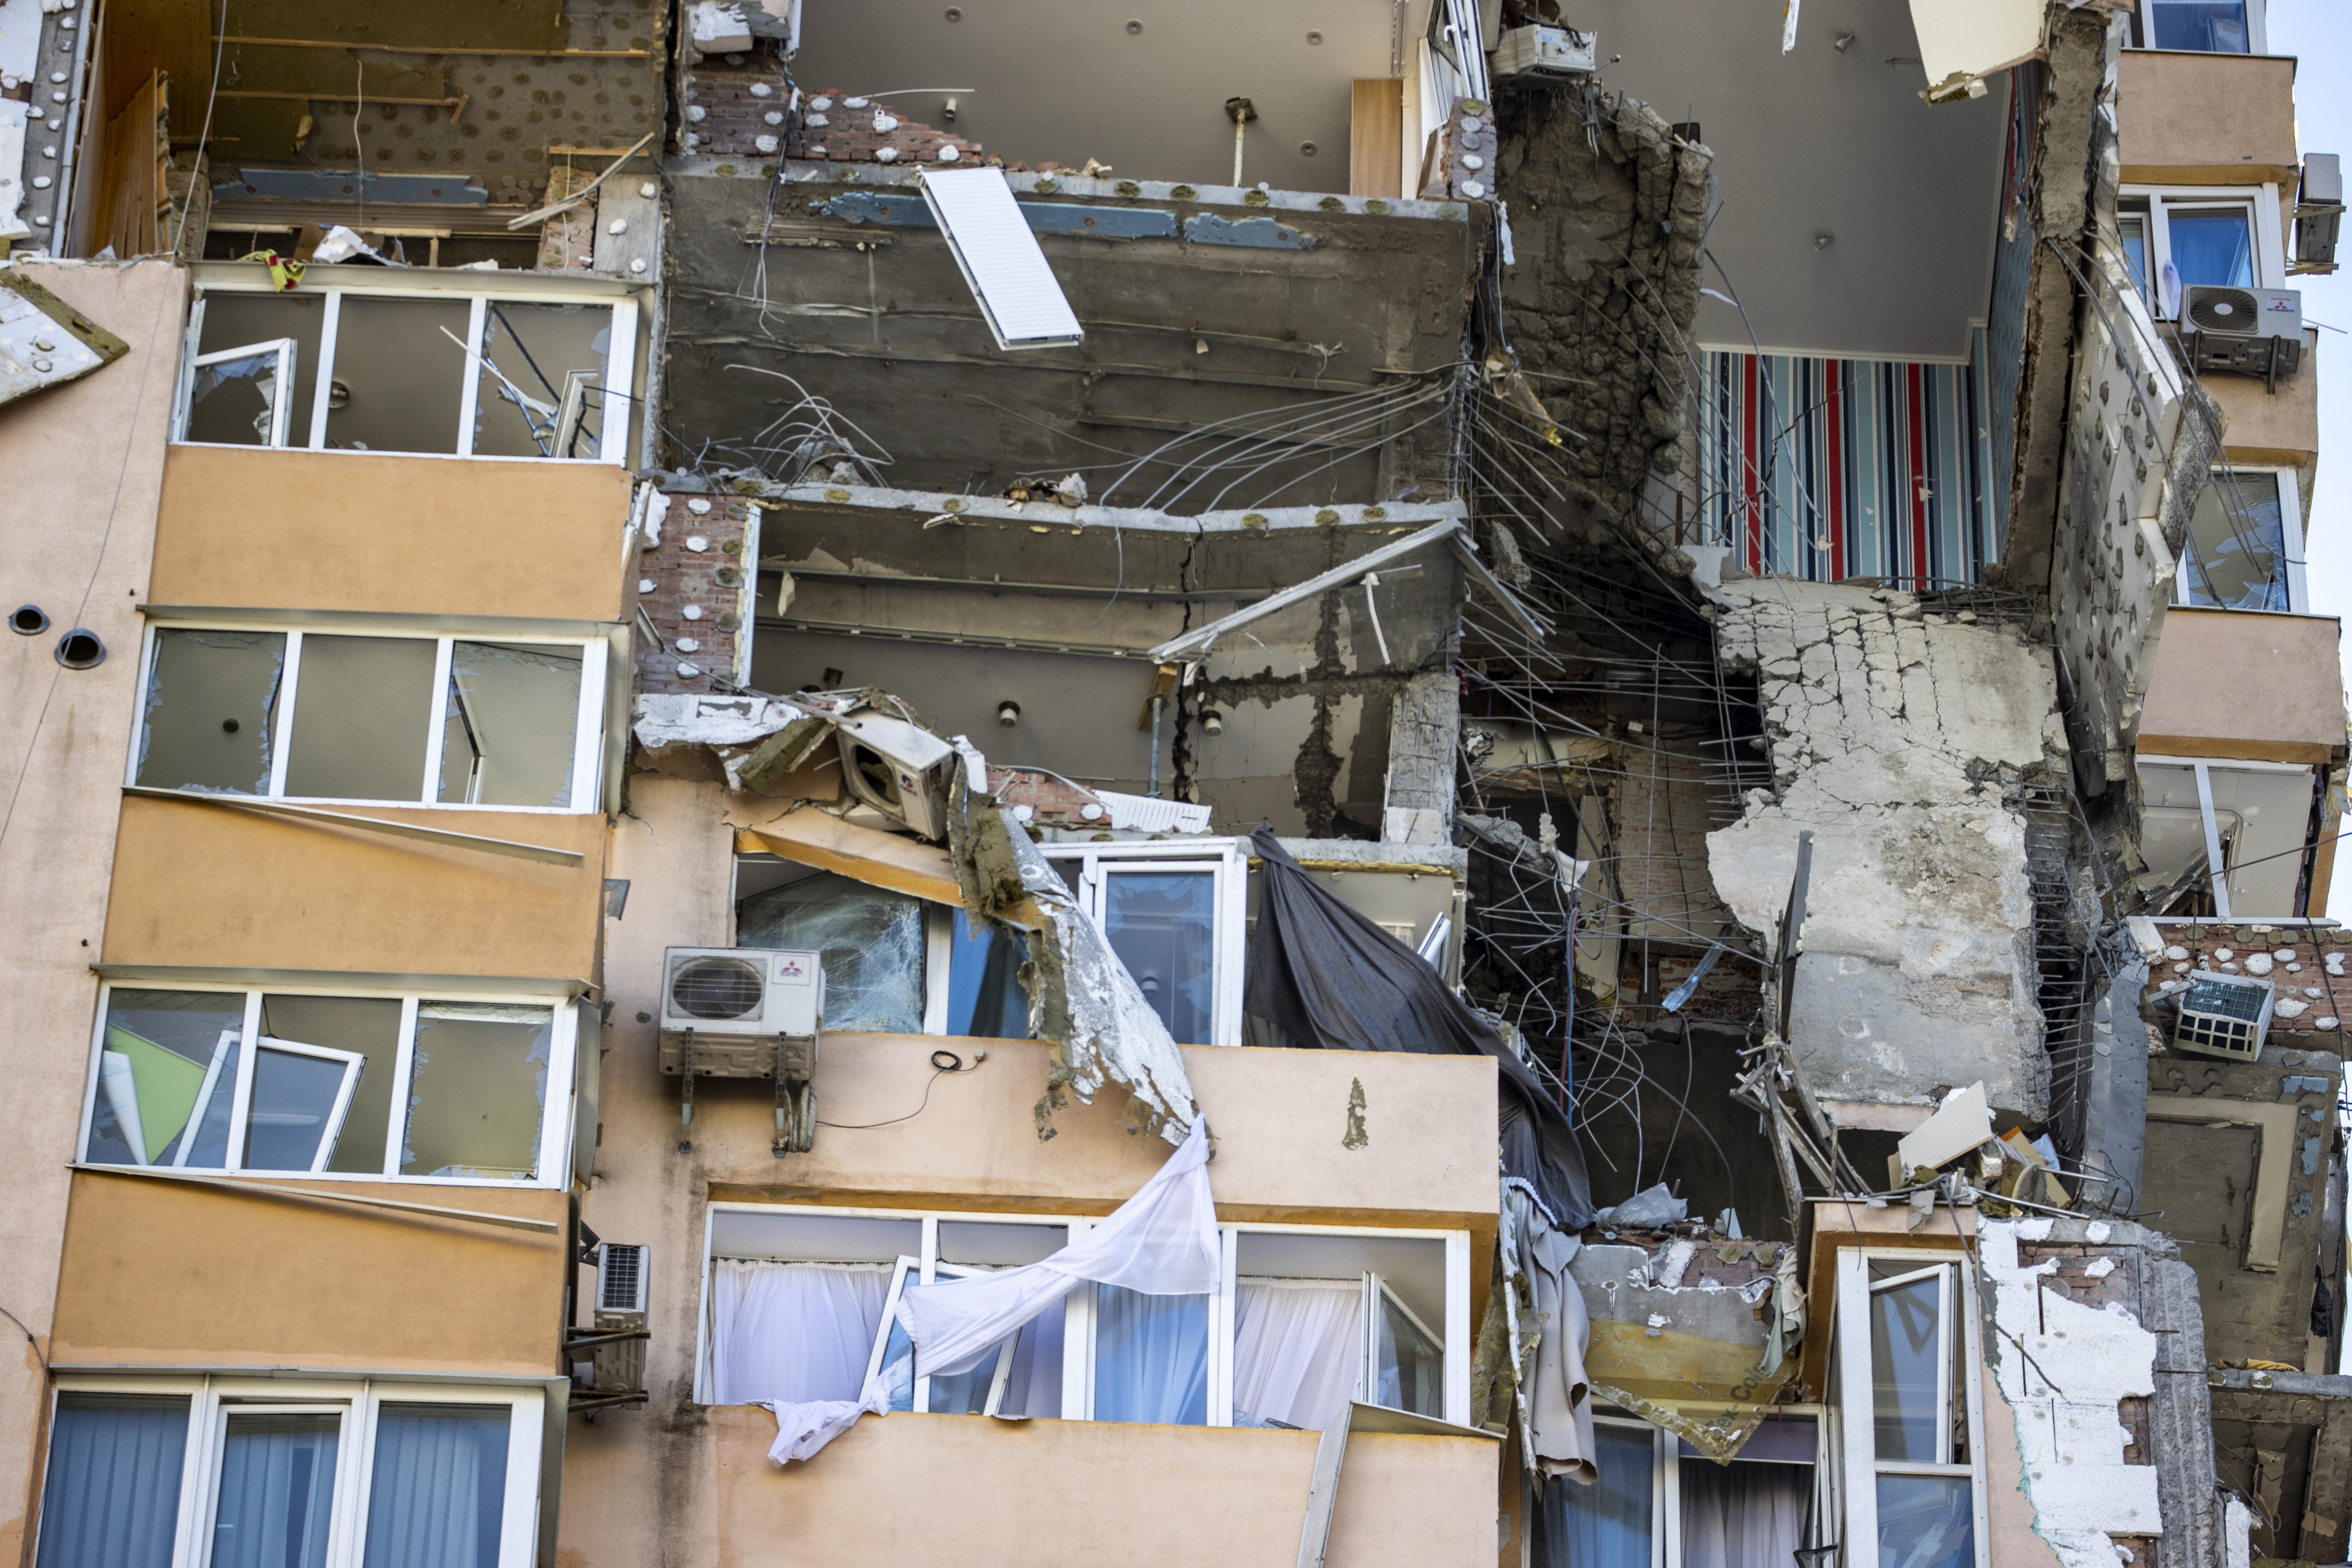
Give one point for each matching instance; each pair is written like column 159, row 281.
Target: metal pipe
column 1158, row 703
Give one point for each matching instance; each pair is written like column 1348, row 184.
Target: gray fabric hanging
column 1327, row 976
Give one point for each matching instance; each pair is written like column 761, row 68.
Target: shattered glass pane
column 210, row 698
column 542, row 380
column 1162, row 925
column 400, row 366
column 870, row 941
column 360, row 709
column 478, row 1090
column 168, row 1062
column 229, row 402
column 511, row 715
column 2239, row 537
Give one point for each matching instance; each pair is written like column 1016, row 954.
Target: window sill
column 437, row 457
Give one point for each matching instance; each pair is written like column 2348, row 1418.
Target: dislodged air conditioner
column 1541, row 51
column 898, row 768
column 2254, row 331
column 608, row 1362
column 746, row 1012
column 2223, row 1015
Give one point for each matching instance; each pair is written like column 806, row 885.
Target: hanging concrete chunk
column 1961, row 42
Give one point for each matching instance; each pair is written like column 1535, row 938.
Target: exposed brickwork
column 731, row 101
column 2076, row 1279
column 719, row 580
column 1732, row 1264
column 2310, row 1000
column 836, row 128
column 1731, row 991
column 2132, row 1412
column 2140, row 1550
column 1464, row 167
column 567, row 240
column 1049, row 799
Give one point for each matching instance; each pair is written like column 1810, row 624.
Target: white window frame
column 2217, row 866
column 1228, row 861
column 620, row 375
column 1857, row 1439
column 1665, row 1476
column 281, row 406
column 353, row 1063
column 555, row 1116
column 2261, row 203
column 1078, row 1315
column 587, row 733
column 212, row 1401
column 2257, row 31
column 2298, row 593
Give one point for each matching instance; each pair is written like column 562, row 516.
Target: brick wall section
column 847, row 135
column 2117, row 1285
column 1731, row 991
column 2320, row 1001
column 567, row 242
column 728, row 101
column 719, row 579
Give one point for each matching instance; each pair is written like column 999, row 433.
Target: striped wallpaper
column 1826, row 468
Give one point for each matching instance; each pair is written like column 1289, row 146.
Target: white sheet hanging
column 1298, row 1350
column 1160, row 1242
column 792, row 1332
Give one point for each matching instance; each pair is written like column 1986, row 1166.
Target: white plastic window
column 376, row 1088
column 1177, row 917
column 1657, row 1504
column 2176, row 236
column 800, row 1303
column 306, row 715
column 1910, row 1411
column 2209, row 26
column 149, row 1472
column 437, row 372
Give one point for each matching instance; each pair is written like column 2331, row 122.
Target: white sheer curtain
column 792, row 1332
column 1152, row 1357
column 1743, row 1514
column 1298, row 1350
column 439, row 1492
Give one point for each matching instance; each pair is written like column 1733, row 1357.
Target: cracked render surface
column 1903, row 739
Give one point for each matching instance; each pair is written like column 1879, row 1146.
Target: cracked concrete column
column 1423, row 730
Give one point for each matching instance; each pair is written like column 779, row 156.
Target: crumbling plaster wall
column 1903, row 739
column 1607, row 211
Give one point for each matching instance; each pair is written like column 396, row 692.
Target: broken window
column 1174, row 916
column 360, row 707
column 233, row 1080
column 2226, row 840
column 871, row 941
column 253, row 374
column 1906, row 1384
column 270, row 1472
column 210, row 698
column 511, row 716
column 333, row 716
column 438, row 370
column 477, row 1092
column 804, row 1308
column 2245, row 542
column 1320, row 1321
column 1655, row 1505
column 542, row 389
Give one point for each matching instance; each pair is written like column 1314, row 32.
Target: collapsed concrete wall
column 1905, row 739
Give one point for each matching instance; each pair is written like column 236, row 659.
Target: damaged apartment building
column 1462, row 782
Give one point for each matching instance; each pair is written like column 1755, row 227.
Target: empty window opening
column 478, row 1094
column 541, row 392
column 210, row 698
column 511, row 717
column 2225, row 839
column 399, row 368
column 359, row 720
column 355, row 1086
column 255, row 372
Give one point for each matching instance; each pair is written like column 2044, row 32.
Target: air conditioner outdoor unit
column 608, row 1361
column 2223, row 1015
column 620, row 1276
column 2254, row 331
column 746, row 1012
column 898, row 768
column 1542, row 51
